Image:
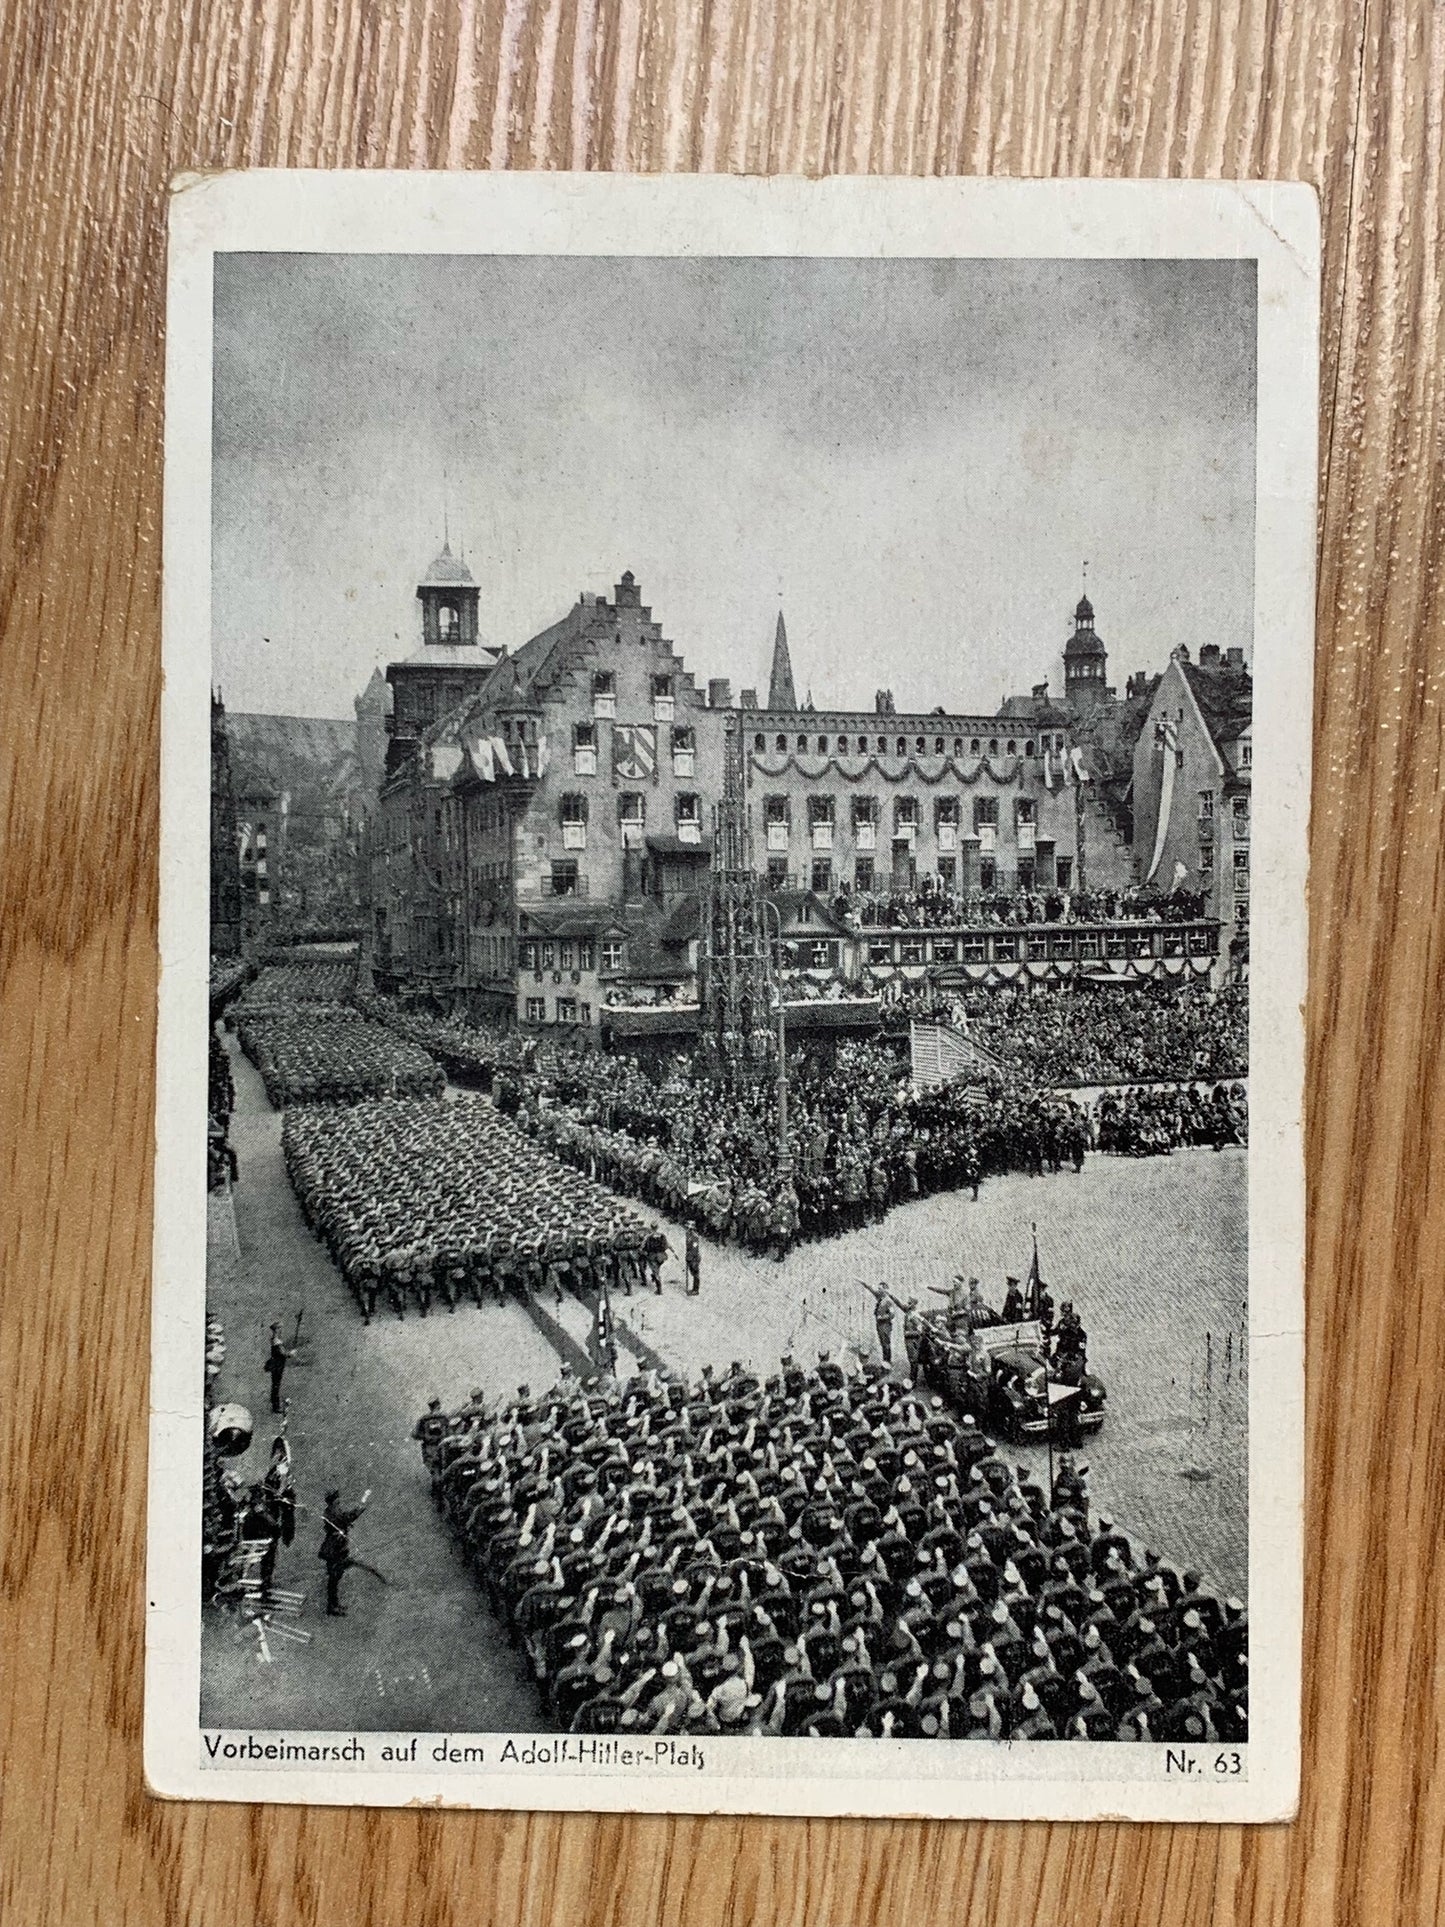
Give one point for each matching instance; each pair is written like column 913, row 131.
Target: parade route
column 1143, row 1247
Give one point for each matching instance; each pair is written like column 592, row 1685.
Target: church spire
column 781, row 694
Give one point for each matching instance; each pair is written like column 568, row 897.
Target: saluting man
column 276, row 1366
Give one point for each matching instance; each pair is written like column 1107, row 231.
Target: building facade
column 543, row 844
column 1192, row 783
column 853, row 803
column 226, row 902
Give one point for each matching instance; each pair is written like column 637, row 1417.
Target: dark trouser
column 694, row 1280
column 276, row 1373
column 334, row 1570
column 885, row 1343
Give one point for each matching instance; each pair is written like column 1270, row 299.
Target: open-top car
column 1003, row 1376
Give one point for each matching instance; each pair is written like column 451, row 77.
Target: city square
column 1148, row 1249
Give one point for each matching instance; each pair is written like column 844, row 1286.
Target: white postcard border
column 374, row 212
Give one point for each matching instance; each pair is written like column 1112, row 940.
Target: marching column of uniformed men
column 422, row 1204
column 821, row 1553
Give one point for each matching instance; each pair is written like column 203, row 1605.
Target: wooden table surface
column 101, row 101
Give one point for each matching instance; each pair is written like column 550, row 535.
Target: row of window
column 631, row 808
column 567, row 953
column 570, row 1010
column 880, row 745
column 1038, row 946
column 907, row 812
column 1238, row 814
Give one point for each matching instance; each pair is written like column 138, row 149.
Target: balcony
column 564, row 886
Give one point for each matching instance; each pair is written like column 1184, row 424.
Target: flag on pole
column 483, row 761
column 604, row 1345
column 1166, row 738
column 1033, row 1284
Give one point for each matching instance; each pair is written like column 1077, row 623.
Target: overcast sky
column 917, row 457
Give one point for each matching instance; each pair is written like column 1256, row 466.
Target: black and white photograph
column 746, row 911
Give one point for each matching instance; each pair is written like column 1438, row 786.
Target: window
column 584, row 1013
column 993, row 746
column 684, row 752
column 945, row 950
column 584, row 749
column 777, row 873
column 985, row 811
column 781, row 744
column 974, row 746
column 1026, row 873
column 775, row 821
column 1064, row 871
column 822, row 746
column 1028, row 749
column 1241, row 863
column 1206, row 806
column 975, row 950
column 549, row 954
column 758, row 743
column 865, row 822
column 632, row 807
column 938, row 745
column 905, row 815
column 604, row 693
column 688, row 809
column 1239, row 812
column 802, row 742
column 1241, row 911
column 662, row 699
column 947, row 871
column 911, row 950
column 920, row 743
column 880, row 950
column 611, row 954
column 563, row 881
column 1206, row 857
column 822, row 878
column 586, row 954
column 566, row 1010
column 574, row 821
column 863, row 873
column 902, row 747
column 820, row 809
column 1246, row 755
column 527, row 956
column 987, row 873
column 946, row 810
column 1025, row 821
column 536, row 1010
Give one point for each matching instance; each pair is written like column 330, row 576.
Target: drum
column 231, row 1430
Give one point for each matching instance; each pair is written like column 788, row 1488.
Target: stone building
column 537, row 846
column 226, row 913
column 852, row 802
column 1192, row 782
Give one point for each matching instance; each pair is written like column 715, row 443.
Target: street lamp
column 785, row 1155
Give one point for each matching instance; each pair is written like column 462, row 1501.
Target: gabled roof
column 572, row 917
column 1225, row 697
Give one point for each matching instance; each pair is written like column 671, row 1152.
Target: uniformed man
column 275, row 1366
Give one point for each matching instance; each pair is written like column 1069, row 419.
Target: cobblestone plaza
column 1151, row 1250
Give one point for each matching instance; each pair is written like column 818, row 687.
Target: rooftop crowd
column 934, row 906
column 325, row 1054
column 421, row 1203
column 819, row 1555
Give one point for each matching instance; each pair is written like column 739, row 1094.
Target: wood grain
column 100, row 102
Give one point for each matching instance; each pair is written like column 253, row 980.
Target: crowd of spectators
column 933, row 905
column 1061, row 1035
column 820, row 1555
column 324, row 1055
column 1154, row 1119
column 419, row 1203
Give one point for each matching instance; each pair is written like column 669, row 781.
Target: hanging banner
column 1167, row 736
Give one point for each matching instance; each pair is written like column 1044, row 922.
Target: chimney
column 1209, row 656
column 1234, row 658
column 719, row 693
column 748, row 699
